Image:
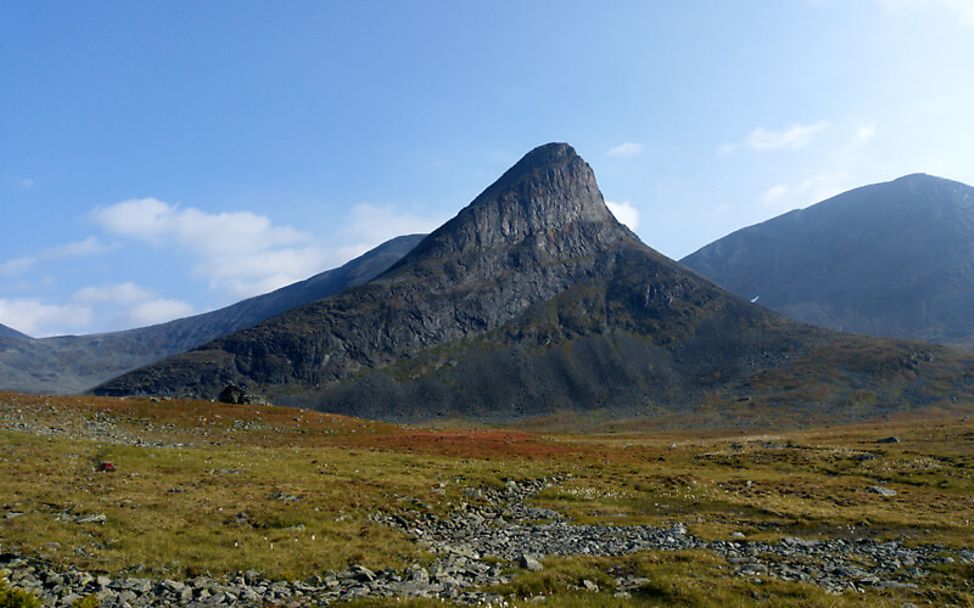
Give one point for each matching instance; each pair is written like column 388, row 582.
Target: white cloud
column 158, row 311
column 26, row 183
column 810, row 190
column 625, row 213
column 123, row 293
column 240, row 252
column 244, row 254
column 626, row 150
column 823, row 185
column 863, row 133
column 962, row 10
column 16, row 266
column 370, row 225
column 86, row 247
column 379, row 223
column 39, row 319
column 131, row 305
column 774, row 194
column 727, row 148
column 104, row 308
column 793, row 137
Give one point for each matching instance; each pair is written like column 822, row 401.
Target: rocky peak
column 549, row 198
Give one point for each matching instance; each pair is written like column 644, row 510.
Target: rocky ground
column 496, row 524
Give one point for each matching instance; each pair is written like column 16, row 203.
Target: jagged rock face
column 531, row 300
column 548, row 202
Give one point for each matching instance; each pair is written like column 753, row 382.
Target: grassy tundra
column 212, row 488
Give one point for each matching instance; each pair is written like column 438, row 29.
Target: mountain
column 71, row 364
column 10, row 332
column 533, row 300
column 891, row 259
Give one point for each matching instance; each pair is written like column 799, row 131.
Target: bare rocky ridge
column 891, row 259
column 534, row 299
column 73, row 364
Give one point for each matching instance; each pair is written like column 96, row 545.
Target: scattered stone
column 888, row 440
column 501, row 526
column 882, row 490
column 285, row 497
column 526, row 561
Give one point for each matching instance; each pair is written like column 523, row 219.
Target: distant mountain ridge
column 891, row 259
column 73, row 364
column 533, row 300
column 10, row 332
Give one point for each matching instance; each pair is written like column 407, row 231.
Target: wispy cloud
column 961, row 10
column 241, row 252
column 790, row 138
column 20, row 265
column 123, row 293
column 626, row 150
column 863, row 133
column 773, row 195
column 793, row 137
column 158, row 310
column 26, row 183
column 625, row 212
column 93, row 308
column 39, row 319
column 131, row 305
column 811, row 189
column 369, row 225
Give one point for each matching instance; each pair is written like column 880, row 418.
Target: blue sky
column 159, row 159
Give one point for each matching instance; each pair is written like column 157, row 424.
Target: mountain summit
column 534, row 299
column 549, row 202
column 890, row 259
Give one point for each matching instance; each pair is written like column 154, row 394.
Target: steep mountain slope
column 68, row 364
column 10, row 332
column 534, row 299
column 891, row 259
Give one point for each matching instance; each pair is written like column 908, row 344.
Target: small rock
column 891, row 439
column 590, row 586
column 532, row 564
column 93, row 518
column 362, row 574
column 882, row 491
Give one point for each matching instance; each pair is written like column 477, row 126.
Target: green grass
column 16, row 598
column 290, row 492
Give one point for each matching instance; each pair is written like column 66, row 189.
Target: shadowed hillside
column 892, row 259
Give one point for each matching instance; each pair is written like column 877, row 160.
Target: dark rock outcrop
column 534, row 299
column 893, row 259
